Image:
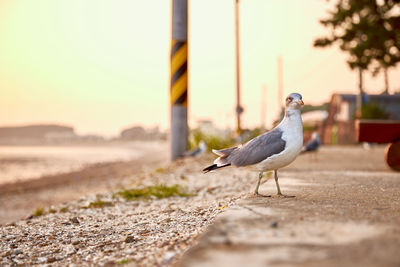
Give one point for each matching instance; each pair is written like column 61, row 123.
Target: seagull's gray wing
column 258, row 149
column 312, row 145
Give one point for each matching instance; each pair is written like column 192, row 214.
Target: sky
column 102, row 65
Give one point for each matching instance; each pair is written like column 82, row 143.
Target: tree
column 369, row 31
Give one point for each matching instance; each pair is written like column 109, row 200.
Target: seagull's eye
column 289, row 99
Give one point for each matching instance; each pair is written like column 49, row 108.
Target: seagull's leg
column 258, row 185
column 277, row 185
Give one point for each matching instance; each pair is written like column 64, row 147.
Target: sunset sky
column 102, row 65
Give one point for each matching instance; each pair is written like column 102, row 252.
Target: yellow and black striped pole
column 179, row 79
column 179, row 75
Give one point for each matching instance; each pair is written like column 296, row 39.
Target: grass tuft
column 38, row 212
column 63, row 209
column 158, row 191
column 124, row 261
column 99, row 204
column 52, row 210
column 213, row 141
column 159, row 170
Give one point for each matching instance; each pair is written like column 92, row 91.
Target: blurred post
column 179, row 79
column 359, row 97
column 263, row 106
column 280, row 84
column 239, row 108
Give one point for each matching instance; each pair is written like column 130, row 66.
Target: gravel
column 153, row 232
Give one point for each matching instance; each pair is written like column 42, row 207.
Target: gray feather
column 312, row 145
column 224, row 152
column 258, row 149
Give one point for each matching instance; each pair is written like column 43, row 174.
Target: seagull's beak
column 301, row 102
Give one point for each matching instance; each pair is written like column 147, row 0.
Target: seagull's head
column 294, row 101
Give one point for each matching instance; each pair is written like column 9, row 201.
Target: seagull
column 270, row 151
column 312, row 145
column 197, row 151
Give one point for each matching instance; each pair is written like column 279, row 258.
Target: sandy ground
column 21, row 198
column 152, row 232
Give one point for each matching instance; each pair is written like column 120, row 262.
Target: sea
column 19, row 163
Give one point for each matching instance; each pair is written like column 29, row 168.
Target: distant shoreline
column 34, row 142
column 48, row 181
column 22, row 197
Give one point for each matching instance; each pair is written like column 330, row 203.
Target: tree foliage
column 368, row 30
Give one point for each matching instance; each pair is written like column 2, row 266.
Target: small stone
column 17, row 251
column 74, row 220
column 42, row 259
column 70, row 250
column 75, row 242
column 274, row 224
column 165, row 243
column 144, row 232
column 228, row 242
column 130, row 239
column 51, row 259
column 9, row 238
column 7, row 253
column 66, row 223
column 169, row 256
column 18, row 261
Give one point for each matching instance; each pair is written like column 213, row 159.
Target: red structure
column 338, row 128
column 382, row 131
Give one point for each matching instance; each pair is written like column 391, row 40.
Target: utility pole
column 280, row 84
column 385, row 73
column 263, row 106
column 359, row 96
column 179, row 79
column 239, row 108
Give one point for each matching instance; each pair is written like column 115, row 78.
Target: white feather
column 292, row 128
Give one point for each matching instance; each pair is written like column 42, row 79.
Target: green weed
column 158, row 191
column 38, row 212
column 99, row 204
column 124, row 261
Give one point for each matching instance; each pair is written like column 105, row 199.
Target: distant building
column 140, row 133
column 338, row 127
column 35, row 134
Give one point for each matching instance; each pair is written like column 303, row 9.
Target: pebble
column 17, row 251
column 130, row 239
column 74, row 220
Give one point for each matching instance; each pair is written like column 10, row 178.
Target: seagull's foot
column 256, row 194
column 284, row 196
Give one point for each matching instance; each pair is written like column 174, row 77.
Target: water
column 28, row 162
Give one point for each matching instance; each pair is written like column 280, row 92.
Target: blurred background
column 79, row 80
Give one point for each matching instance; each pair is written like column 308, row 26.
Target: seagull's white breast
column 292, row 128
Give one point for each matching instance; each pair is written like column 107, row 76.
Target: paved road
column 346, row 213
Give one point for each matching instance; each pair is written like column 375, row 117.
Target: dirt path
column 20, row 199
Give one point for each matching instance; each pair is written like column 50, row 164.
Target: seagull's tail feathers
column 224, row 152
column 223, row 155
column 214, row 167
column 222, row 160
